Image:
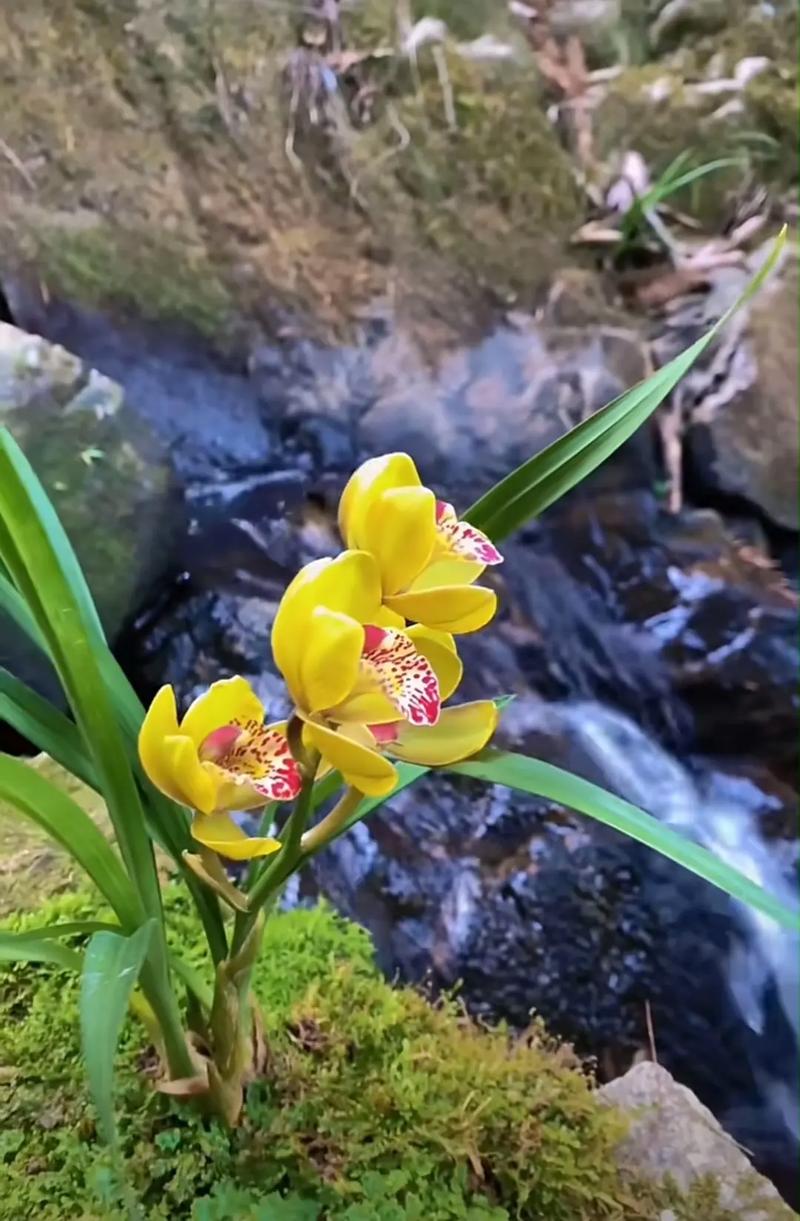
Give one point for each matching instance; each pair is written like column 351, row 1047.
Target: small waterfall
column 719, row 814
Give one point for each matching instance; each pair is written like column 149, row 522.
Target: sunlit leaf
column 19, row 947
column 110, row 970
column 41, row 801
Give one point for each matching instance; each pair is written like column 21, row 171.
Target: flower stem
column 272, row 878
column 332, row 823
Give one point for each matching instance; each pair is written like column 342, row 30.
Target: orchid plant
column 367, row 643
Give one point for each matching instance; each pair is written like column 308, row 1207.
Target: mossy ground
column 379, row 1106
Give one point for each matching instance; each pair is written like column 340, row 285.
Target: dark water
column 646, row 653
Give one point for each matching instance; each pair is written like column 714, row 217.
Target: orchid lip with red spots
column 406, row 678
column 462, row 539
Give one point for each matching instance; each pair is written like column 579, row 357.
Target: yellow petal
column 160, row 722
column 349, row 585
column 448, row 570
column 364, row 708
column 360, row 765
column 387, row 618
column 227, row 702
column 456, row 608
column 330, row 661
column 440, row 650
column 459, row 733
column 399, row 529
column 373, row 477
column 190, row 776
column 220, row 833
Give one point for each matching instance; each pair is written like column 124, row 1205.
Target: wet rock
column 467, row 414
column 743, row 441
column 673, row 1134
column 108, row 477
column 203, row 407
column 484, row 410
column 714, row 619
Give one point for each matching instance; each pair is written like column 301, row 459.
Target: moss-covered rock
column 379, row 1104
column 109, row 479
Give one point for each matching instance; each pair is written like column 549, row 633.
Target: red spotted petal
column 406, row 678
column 462, row 539
column 260, row 756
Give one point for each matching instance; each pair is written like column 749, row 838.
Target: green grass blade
column 44, row 725
column 167, row 822
column 43, row 567
column 37, row 799
column 14, row 606
column 544, row 780
column 545, row 477
column 19, row 947
column 67, row 928
column 111, row 967
column 699, row 171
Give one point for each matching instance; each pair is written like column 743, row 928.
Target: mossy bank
column 378, row 1105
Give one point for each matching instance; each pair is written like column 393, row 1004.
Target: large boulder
column 111, row 482
column 744, row 441
column 673, row 1134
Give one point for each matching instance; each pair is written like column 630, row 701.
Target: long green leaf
column 35, row 797
column 44, row 725
column 42, row 564
column 18, row 947
column 111, row 967
column 167, row 822
column 67, row 928
column 545, row 477
column 544, row 780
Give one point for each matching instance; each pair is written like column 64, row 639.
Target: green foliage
column 104, row 264
column 379, row 1105
column 678, row 175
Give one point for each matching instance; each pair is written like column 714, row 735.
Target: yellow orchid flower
column 428, row 560
column 346, row 670
column 220, row 757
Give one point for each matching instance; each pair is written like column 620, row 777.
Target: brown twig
column 651, row 1038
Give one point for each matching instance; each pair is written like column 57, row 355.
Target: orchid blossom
column 365, row 691
column 220, row 757
column 346, row 669
column 427, row 558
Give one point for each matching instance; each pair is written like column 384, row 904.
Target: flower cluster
column 365, row 643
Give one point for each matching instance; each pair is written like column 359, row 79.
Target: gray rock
column 673, row 1134
column 744, row 441
column 485, row 409
column 109, row 479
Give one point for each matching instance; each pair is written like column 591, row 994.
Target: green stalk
column 272, row 878
column 325, row 830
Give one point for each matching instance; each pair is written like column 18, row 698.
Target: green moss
column 379, row 1106
column 493, row 193
column 103, row 264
